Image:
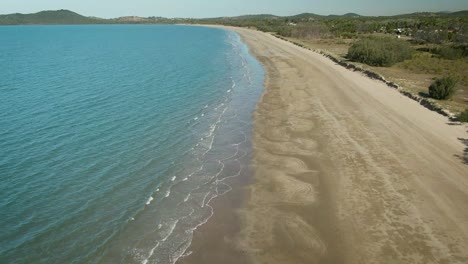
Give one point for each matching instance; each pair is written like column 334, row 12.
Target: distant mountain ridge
column 463, row 13
column 61, row 17
column 47, row 17
column 298, row 16
column 259, row 16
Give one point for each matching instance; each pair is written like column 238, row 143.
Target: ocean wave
column 180, row 251
column 149, row 200
column 169, row 231
column 218, row 154
column 187, row 197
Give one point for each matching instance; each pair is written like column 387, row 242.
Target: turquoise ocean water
column 115, row 138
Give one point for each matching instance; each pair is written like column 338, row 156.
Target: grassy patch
column 426, row 63
column 415, row 74
column 380, row 51
column 463, row 116
column 449, row 53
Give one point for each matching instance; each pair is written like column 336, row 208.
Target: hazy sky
column 214, row 8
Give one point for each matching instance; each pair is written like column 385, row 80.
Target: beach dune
column 348, row 170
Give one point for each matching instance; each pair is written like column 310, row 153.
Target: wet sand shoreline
column 347, row 170
column 215, row 241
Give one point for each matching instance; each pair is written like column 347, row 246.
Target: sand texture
column 348, row 170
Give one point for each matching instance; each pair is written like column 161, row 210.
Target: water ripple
column 115, row 139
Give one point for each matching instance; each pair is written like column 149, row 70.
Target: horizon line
column 251, row 14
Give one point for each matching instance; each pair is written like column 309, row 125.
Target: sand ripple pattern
column 348, row 170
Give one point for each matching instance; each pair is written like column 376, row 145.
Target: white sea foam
column 204, row 198
column 149, row 200
column 192, row 211
column 204, row 221
column 208, row 175
column 186, row 254
column 228, row 189
column 214, row 196
column 181, row 250
column 169, row 232
column 145, row 261
column 171, row 229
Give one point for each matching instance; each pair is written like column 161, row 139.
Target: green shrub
column 443, row 88
column 348, row 35
column 380, row 51
column 463, row 116
column 309, row 31
column 449, row 53
column 431, row 36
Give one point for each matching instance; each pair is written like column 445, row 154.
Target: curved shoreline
column 213, row 242
column 346, row 171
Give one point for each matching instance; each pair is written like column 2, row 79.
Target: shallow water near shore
column 115, row 139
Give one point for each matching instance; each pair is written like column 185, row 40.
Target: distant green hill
column 306, row 15
column 351, row 15
column 298, row 16
column 458, row 14
column 434, row 14
column 63, row 17
column 47, row 18
column 312, row 15
column 248, row 17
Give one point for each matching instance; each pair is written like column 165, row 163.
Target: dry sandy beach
column 347, row 170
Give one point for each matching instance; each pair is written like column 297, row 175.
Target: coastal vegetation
column 443, row 88
column 410, row 50
column 463, row 116
column 380, row 51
